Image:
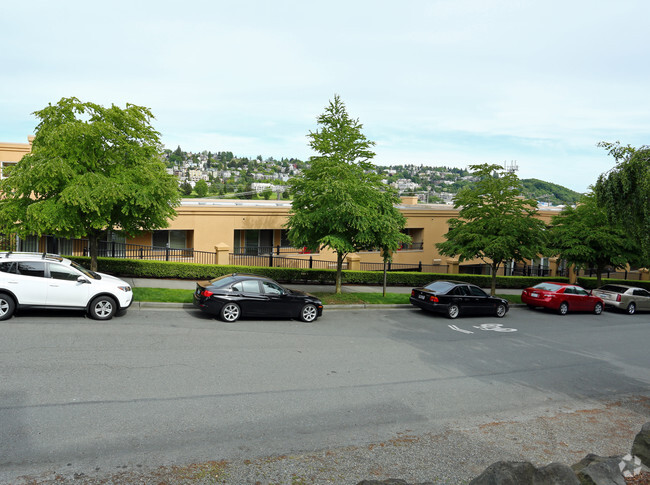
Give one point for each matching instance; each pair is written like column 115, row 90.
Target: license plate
column 534, row 295
column 421, row 297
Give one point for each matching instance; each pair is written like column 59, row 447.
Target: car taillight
column 206, row 293
column 433, row 299
column 412, row 292
column 618, row 297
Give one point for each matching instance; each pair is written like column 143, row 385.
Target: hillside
column 549, row 192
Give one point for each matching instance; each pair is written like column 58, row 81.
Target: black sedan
column 248, row 295
column 454, row 298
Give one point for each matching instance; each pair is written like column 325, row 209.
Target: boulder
column 641, row 445
column 525, row 473
column 599, row 470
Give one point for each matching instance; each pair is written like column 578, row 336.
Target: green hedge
column 590, row 283
column 137, row 268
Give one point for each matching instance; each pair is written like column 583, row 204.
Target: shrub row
column 137, row 268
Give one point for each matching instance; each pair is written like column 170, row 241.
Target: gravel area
column 454, row 456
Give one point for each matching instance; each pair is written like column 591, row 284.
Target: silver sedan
column 623, row 297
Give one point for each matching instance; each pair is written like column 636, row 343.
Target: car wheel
column 7, row 306
column 501, row 310
column 564, row 308
column 453, row 311
column 631, row 309
column 230, row 312
column 309, row 313
column 598, row 308
column 102, row 308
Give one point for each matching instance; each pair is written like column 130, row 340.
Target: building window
column 169, row 239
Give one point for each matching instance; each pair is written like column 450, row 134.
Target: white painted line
column 454, row 327
column 495, row 327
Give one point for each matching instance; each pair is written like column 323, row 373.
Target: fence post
column 311, row 262
column 278, row 250
column 166, row 254
column 420, row 266
column 271, row 259
column 141, row 253
column 626, row 274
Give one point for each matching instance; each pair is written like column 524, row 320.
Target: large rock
column 599, row 470
column 641, row 446
column 525, row 473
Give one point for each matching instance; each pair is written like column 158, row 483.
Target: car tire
column 7, row 306
column 453, row 311
column 631, row 309
column 564, row 308
column 598, row 308
column 309, row 313
column 501, row 310
column 102, row 308
column 230, row 312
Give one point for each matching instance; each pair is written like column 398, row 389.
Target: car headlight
column 125, row 288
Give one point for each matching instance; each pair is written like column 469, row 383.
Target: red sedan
column 562, row 297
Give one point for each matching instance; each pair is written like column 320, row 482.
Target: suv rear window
column 31, row 268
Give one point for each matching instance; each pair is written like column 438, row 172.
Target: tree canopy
column 579, row 236
column 624, row 192
column 340, row 202
column 495, row 223
column 91, row 169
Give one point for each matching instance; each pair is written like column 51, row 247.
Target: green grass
column 162, row 295
column 373, row 298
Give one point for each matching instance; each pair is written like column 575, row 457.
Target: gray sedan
column 623, row 297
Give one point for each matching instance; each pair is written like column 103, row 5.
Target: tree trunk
column 385, row 268
column 493, row 288
column 339, row 272
column 599, row 280
column 93, row 243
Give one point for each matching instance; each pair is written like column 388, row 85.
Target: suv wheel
column 102, row 308
column 7, row 306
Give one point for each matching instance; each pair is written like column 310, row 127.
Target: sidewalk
column 191, row 285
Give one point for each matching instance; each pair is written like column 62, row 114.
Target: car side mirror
column 82, row 279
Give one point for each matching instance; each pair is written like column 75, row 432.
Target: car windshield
column 439, row 286
column 87, row 272
column 614, row 288
column 547, row 287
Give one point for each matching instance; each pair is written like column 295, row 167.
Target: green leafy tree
column 579, row 236
column 339, row 202
column 624, row 192
column 185, row 188
column 91, row 169
column 495, row 223
column 201, row 188
column 267, row 193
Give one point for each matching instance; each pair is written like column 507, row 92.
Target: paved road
column 160, row 387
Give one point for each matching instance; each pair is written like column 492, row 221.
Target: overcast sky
column 434, row 82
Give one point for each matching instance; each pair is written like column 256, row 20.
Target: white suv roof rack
column 34, row 254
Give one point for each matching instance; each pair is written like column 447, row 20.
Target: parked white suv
column 49, row 281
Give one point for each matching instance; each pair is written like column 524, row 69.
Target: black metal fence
column 274, row 261
column 419, row 267
column 266, row 250
column 111, row 249
column 516, row 270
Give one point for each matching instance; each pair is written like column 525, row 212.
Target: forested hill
column 549, row 192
